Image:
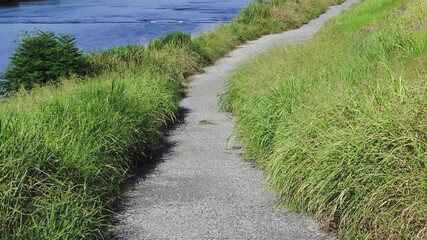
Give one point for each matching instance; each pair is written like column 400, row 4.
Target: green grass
column 206, row 122
column 66, row 150
column 339, row 124
column 64, row 153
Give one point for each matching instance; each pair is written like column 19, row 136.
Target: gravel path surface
column 201, row 188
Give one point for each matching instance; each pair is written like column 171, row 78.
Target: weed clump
column 180, row 39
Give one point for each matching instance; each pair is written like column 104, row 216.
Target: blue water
column 102, row 24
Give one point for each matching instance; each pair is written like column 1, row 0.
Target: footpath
column 201, row 187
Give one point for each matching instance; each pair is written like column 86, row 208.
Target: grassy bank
column 340, row 123
column 66, row 150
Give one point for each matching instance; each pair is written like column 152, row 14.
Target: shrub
column 43, row 57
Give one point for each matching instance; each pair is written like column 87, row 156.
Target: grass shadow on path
column 149, row 165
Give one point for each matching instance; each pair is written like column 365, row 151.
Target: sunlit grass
column 339, row 124
column 63, row 160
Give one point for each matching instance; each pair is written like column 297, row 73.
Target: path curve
column 201, row 188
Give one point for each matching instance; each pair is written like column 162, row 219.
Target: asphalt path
column 200, row 187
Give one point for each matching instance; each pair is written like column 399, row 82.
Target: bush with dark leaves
column 42, row 58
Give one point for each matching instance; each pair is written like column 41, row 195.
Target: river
column 102, row 24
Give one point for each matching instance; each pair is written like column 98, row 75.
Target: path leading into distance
column 201, row 188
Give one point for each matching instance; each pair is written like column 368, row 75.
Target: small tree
column 42, row 58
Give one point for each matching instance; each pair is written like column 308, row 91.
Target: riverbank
column 67, row 150
column 339, row 123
